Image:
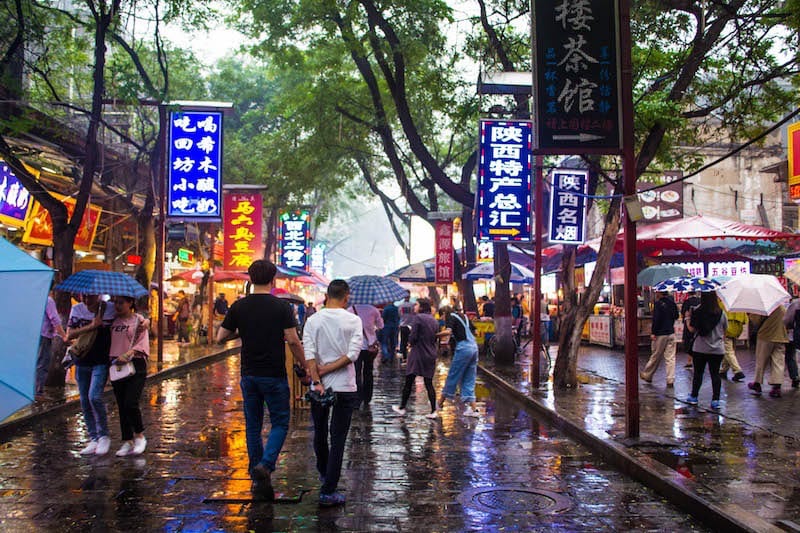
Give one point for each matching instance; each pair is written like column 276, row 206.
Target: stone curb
column 9, row 428
column 677, row 489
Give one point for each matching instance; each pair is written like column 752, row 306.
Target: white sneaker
column 103, row 445
column 469, row 411
column 125, row 449
column 90, row 448
column 399, row 410
column 433, row 415
column 139, row 444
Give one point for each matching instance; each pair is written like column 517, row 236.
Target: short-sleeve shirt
column 261, row 320
column 79, row 317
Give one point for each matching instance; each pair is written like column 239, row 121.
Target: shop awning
column 708, row 227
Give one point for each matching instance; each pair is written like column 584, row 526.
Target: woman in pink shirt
column 130, row 341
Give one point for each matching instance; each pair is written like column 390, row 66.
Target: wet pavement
column 745, row 457
column 507, row 470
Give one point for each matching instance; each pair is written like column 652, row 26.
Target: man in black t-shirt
column 264, row 323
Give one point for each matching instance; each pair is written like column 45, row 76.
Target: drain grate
column 501, row 500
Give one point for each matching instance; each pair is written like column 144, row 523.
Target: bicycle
column 545, row 361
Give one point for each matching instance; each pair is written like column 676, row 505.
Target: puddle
column 679, row 460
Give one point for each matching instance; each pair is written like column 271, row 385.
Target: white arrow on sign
column 580, row 137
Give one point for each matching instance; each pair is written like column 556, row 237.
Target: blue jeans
column 389, row 343
column 463, row 371
column 257, row 391
column 91, row 382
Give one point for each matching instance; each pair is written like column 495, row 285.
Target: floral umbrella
column 687, row 284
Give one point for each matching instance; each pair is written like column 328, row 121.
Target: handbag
column 84, row 342
column 373, row 348
column 119, row 372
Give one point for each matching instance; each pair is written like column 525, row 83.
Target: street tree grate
column 501, row 500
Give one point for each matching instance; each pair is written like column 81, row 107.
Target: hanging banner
column 39, row 226
column 294, row 234
column 793, row 158
column 318, row 257
column 664, row 203
column 242, row 240
column 194, row 176
column 444, row 251
column 577, row 77
column 568, row 207
column 15, row 201
column 504, row 181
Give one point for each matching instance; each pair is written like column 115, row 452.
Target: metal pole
column 210, row 302
column 536, row 308
column 162, row 238
column 629, row 251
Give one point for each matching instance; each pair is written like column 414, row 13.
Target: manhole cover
column 500, row 500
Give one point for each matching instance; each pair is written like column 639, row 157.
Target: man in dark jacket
column 665, row 313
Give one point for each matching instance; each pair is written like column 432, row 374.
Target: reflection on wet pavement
column 505, row 470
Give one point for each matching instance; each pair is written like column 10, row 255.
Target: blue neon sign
column 194, row 177
column 568, row 207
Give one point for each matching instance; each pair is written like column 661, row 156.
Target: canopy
column 24, row 283
column 708, row 227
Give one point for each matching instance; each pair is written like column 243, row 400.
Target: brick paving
column 400, row 474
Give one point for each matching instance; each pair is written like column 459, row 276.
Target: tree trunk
column 565, row 372
column 271, row 242
column 468, row 258
column 504, row 338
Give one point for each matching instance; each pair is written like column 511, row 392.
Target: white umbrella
column 759, row 294
column 519, row 274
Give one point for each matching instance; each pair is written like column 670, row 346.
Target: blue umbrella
column 417, row 272
column 24, row 283
column 102, row 282
column 374, row 290
column 687, row 284
column 519, row 274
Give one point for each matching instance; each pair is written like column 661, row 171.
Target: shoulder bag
column 119, row 372
column 84, row 342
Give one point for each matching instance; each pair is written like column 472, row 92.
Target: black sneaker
column 737, row 377
column 262, row 481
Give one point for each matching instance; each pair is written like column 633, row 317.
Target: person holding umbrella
column 709, row 323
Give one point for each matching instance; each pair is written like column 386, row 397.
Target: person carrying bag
column 130, row 347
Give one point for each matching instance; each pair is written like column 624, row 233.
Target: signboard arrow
column 505, row 231
column 580, row 137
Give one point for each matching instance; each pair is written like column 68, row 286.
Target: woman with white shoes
column 464, row 365
column 130, row 342
column 422, row 358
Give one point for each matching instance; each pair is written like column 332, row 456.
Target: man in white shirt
column 371, row 322
column 332, row 339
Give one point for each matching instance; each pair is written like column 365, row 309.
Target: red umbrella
column 192, row 276
column 229, row 275
column 286, row 295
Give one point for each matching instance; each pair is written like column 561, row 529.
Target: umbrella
column 686, row 284
column 416, row 272
column 102, row 282
column 192, row 276
column 374, row 290
column 24, row 283
column 283, row 294
column 519, row 274
column 230, row 275
column 759, row 294
column 793, row 273
column 657, row 273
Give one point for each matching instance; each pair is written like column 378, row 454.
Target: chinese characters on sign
column 485, row 252
column 696, row 268
column 664, row 203
column 293, row 236
column 14, row 198
column 577, row 93
column 728, row 268
column 793, row 158
column 195, row 165
column 568, row 207
column 242, row 240
column 318, row 257
column 444, row 251
column 39, row 227
column 504, row 181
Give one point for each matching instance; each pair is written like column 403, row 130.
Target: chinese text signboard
column 728, row 269
column 504, row 181
column 318, row 257
column 39, row 228
column 195, row 165
column 793, row 133
column 444, row 251
column 15, row 201
column 577, row 77
column 485, row 252
column 568, row 207
column 664, row 203
column 695, row 268
column 293, row 237
column 243, row 241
